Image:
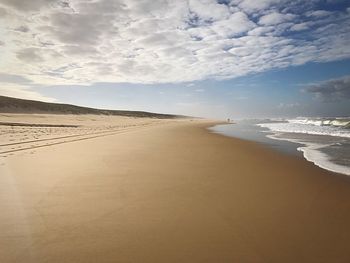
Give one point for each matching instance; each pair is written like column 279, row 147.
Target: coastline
column 308, row 150
column 170, row 192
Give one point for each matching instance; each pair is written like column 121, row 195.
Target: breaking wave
column 335, row 122
column 316, row 150
column 314, row 126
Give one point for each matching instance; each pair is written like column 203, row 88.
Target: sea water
column 323, row 141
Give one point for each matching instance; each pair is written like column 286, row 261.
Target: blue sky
column 237, row 59
column 274, row 93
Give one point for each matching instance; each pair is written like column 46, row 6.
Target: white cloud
column 32, row 5
column 318, row 13
column 209, row 10
column 23, row 92
column 237, row 23
column 300, row 27
column 258, row 31
column 30, row 55
column 19, row 87
column 3, row 12
column 253, row 5
column 81, row 42
column 275, row 18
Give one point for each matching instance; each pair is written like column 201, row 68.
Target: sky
column 208, row 58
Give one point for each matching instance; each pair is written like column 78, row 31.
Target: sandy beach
column 118, row 189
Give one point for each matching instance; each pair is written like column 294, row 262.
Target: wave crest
column 336, row 122
column 339, row 127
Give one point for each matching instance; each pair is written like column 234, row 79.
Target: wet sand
column 147, row 190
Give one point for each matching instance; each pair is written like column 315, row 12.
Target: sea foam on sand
column 317, row 135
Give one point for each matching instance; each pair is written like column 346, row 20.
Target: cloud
column 3, row 12
column 9, row 78
column 318, row 13
column 253, row 5
column 23, row 92
column 330, row 90
column 29, row 55
column 32, row 5
column 208, row 10
column 82, row 42
column 235, row 24
column 20, row 87
column 300, row 27
column 22, row 29
column 259, row 31
column 77, row 29
column 275, row 18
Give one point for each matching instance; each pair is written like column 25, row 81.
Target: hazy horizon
column 217, row 59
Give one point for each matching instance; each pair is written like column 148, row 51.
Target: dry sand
column 145, row 190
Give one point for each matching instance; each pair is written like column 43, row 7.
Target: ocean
column 322, row 141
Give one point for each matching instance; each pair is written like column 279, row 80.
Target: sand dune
column 14, row 105
column 163, row 191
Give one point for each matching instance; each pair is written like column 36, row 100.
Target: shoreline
column 170, row 192
column 305, row 150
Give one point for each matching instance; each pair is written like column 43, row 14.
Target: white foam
column 295, row 127
column 336, row 122
column 312, row 153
